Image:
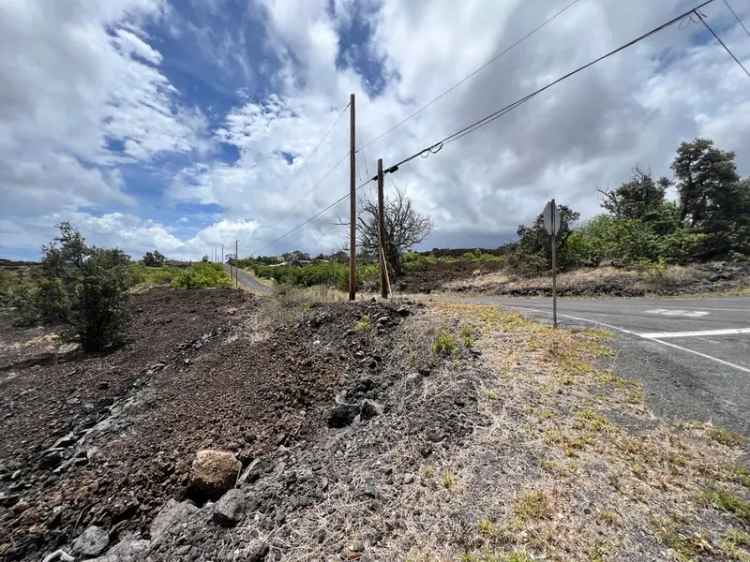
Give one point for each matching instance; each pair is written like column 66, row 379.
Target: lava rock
column 92, row 542
column 128, row 550
column 213, row 473
column 369, row 409
column 172, row 514
column 256, row 552
column 342, row 415
column 229, row 510
column 58, row 555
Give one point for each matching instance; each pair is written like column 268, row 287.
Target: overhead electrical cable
column 487, row 119
column 317, row 215
column 726, row 48
column 737, row 17
column 474, row 72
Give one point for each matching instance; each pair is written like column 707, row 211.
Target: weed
column 592, row 421
column 725, row 437
column 428, row 471
column 730, row 503
column 487, row 528
column 731, row 544
column 444, row 344
column 467, row 336
column 743, row 476
column 363, row 324
column 533, row 504
column 491, row 394
column 609, row 518
column 685, row 545
column 448, row 480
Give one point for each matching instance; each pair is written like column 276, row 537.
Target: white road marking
column 678, row 312
column 698, row 333
column 631, row 333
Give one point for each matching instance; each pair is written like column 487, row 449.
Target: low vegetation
column 642, row 227
column 81, row 287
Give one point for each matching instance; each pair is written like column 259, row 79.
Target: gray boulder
column 229, row 510
column 171, row 515
column 92, row 542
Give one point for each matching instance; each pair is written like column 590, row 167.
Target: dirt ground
column 491, row 439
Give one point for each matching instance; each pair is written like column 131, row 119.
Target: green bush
column 444, row 344
column 201, row 275
column 83, row 287
column 53, row 300
column 164, row 275
column 101, row 314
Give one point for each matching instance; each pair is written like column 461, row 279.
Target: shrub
column 100, row 315
column 444, row 344
column 153, row 259
column 84, row 287
column 201, row 275
column 363, row 324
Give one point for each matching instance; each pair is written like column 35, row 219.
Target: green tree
column 713, row 200
column 640, row 198
column 153, row 259
column 533, row 254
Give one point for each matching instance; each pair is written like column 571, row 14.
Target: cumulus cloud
column 78, row 77
column 99, row 77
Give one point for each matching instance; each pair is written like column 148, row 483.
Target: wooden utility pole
column 381, row 231
column 352, row 205
column 236, row 259
column 222, row 253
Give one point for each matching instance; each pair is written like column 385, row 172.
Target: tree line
column 709, row 220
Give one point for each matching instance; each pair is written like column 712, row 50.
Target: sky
column 183, row 125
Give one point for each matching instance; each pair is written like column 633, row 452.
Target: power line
column 317, row 215
column 473, row 73
column 737, row 17
column 487, row 119
column 727, row 49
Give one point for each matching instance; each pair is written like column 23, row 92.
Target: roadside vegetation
column 641, row 227
column 84, row 289
column 570, row 464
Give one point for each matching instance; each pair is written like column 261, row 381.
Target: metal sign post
column 552, row 226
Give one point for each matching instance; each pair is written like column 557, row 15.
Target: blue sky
column 185, row 125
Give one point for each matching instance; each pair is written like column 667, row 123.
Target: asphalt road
column 692, row 354
column 248, row 281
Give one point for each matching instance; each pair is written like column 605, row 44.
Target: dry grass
column 556, row 476
column 648, row 279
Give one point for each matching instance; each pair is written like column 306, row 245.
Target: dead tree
column 404, row 227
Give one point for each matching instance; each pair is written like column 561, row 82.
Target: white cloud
column 588, row 132
column 77, row 75
column 633, row 109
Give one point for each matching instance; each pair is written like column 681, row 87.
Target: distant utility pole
column 222, row 253
column 352, row 205
column 381, row 230
column 236, row 259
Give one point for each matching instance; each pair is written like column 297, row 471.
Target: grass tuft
column 532, row 504
column 444, row 344
column 726, row 437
